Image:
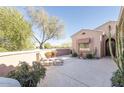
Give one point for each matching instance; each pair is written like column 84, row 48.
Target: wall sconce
column 103, row 33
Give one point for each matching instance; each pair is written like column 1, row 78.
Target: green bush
column 3, row 49
column 27, row 75
column 118, row 79
column 89, row 56
column 15, row 32
column 74, row 54
column 47, row 46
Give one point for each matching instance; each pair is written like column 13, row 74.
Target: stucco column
column 37, row 57
column 103, row 44
column 102, row 48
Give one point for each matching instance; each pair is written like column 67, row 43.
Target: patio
column 80, row 73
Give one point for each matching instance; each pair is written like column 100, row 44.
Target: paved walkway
column 80, row 73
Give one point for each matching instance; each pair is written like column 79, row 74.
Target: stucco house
column 94, row 41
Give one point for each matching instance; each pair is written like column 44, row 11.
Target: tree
column 47, row 45
column 15, row 31
column 49, row 27
column 66, row 45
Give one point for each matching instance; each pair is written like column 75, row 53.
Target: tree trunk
column 41, row 46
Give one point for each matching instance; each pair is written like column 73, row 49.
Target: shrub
column 118, row 79
column 54, row 53
column 50, row 54
column 27, row 75
column 74, row 54
column 89, row 56
column 71, row 52
column 3, row 49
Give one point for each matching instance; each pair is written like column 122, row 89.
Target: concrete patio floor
column 80, row 73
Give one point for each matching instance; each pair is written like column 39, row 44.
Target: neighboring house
column 95, row 41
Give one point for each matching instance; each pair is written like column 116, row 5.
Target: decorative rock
column 8, row 82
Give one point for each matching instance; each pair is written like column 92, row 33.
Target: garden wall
column 9, row 60
column 13, row 58
column 61, row 52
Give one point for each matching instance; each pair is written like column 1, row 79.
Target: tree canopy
column 47, row 45
column 15, row 31
column 49, row 27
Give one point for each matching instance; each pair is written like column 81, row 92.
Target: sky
column 76, row 18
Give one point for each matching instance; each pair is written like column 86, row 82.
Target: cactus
column 119, row 42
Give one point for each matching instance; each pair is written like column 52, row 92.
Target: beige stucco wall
column 98, row 37
column 95, row 41
column 105, row 28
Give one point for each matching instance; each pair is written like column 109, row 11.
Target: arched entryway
column 107, row 46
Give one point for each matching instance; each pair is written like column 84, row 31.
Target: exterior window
column 83, row 33
column 84, row 45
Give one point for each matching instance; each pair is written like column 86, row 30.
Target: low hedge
column 74, row 54
column 89, row 56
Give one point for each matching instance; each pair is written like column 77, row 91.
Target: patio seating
column 51, row 61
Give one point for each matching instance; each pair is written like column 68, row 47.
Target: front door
column 107, row 47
